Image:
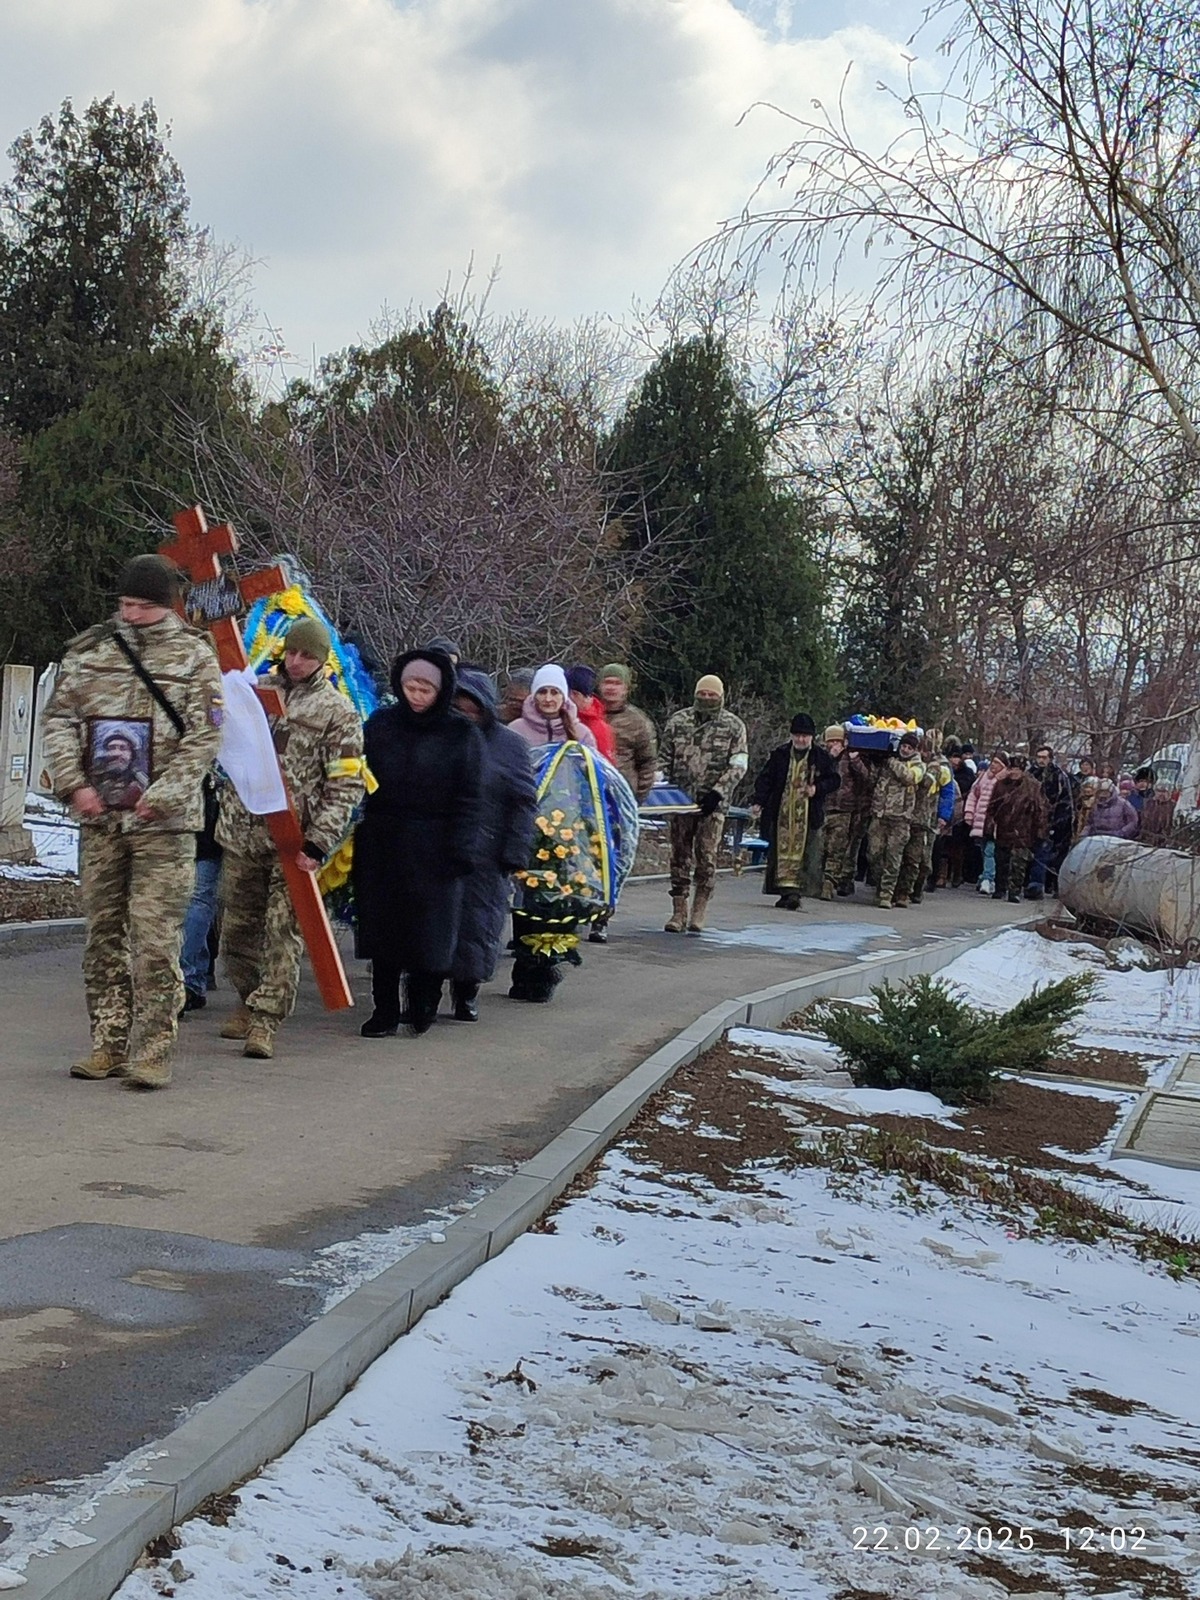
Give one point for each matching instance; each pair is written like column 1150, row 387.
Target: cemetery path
column 155, row 1247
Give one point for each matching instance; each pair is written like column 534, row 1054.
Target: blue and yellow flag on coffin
column 263, row 633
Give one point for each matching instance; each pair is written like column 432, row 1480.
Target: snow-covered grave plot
column 743, row 1365
column 55, row 840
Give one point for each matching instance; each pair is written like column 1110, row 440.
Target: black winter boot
column 424, row 997
column 466, row 1001
column 385, row 1020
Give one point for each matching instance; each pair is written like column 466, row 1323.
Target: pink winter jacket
column 976, row 804
column 536, row 730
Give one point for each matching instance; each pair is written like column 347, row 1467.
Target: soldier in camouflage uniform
column 846, row 813
column 319, row 742
column 704, row 753
column 916, row 862
column 891, row 816
column 137, row 858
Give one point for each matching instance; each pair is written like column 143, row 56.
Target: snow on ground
column 701, row 1405
column 682, row 1393
column 55, row 839
column 1146, row 1013
column 802, row 938
column 805, row 1051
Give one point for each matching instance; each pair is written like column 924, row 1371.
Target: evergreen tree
column 103, row 375
column 92, row 226
column 747, row 601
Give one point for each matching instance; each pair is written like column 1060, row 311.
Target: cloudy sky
column 366, row 150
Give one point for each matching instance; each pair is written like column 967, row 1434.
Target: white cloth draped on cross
column 247, row 752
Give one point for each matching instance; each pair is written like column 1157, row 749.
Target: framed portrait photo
column 119, row 759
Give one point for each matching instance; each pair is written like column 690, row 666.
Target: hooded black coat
column 418, row 841
column 505, row 837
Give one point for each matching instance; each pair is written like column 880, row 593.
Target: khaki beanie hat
column 710, row 684
column 835, row 730
column 310, row 637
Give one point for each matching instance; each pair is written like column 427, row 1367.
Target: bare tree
column 424, row 496
column 1050, row 188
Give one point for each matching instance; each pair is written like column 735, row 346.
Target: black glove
column 711, row 800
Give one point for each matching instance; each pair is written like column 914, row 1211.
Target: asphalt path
column 154, row 1247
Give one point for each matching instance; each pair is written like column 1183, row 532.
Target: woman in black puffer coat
column 509, row 807
column 418, row 840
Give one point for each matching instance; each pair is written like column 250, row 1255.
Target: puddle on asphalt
column 802, row 938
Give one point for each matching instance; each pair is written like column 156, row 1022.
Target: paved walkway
column 145, row 1239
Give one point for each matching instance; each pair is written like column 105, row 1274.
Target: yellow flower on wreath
column 543, row 855
column 560, row 852
column 549, row 877
column 566, row 834
column 558, row 816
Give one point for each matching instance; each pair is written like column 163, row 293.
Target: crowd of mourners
column 470, row 810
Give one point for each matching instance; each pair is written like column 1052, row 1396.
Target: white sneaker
column 986, row 886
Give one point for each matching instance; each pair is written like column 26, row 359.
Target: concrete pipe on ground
column 1150, row 890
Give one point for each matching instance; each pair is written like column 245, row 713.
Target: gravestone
column 40, row 780
column 16, row 731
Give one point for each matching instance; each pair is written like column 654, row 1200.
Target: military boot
column 152, row 1070
column 236, row 1026
column 105, row 1061
column 260, row 1038
column 699, row 910
column 679, row 914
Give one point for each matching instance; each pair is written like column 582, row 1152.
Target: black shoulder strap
column 158, row 696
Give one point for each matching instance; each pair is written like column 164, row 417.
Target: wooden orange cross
column 197, row 551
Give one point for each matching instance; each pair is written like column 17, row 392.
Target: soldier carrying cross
column 269, row 890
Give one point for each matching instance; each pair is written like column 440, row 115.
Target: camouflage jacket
column 637, row 748
column 895, row 791
column 319, row 741
column 698, row 754
column 97, row 686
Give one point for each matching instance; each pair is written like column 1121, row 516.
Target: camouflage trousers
column 260, row 937
column 916, row 862
column 843, row 832
column 886, row 839
column 135, row 888
column 694, row 842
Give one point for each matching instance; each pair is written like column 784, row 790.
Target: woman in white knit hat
column 549, row 715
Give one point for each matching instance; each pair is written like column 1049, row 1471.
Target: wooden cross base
column 197, row 551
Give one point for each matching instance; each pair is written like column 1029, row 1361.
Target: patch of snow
column 802, row 937
column 797, row 1049
column 875, row 1102
column 55, row 834
column 349, row 1263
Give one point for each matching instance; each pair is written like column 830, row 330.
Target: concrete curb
column 30, row 932
column 261, row 1415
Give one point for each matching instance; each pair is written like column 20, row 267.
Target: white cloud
column 366, row 149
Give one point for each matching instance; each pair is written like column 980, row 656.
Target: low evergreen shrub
column 925, row 1035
